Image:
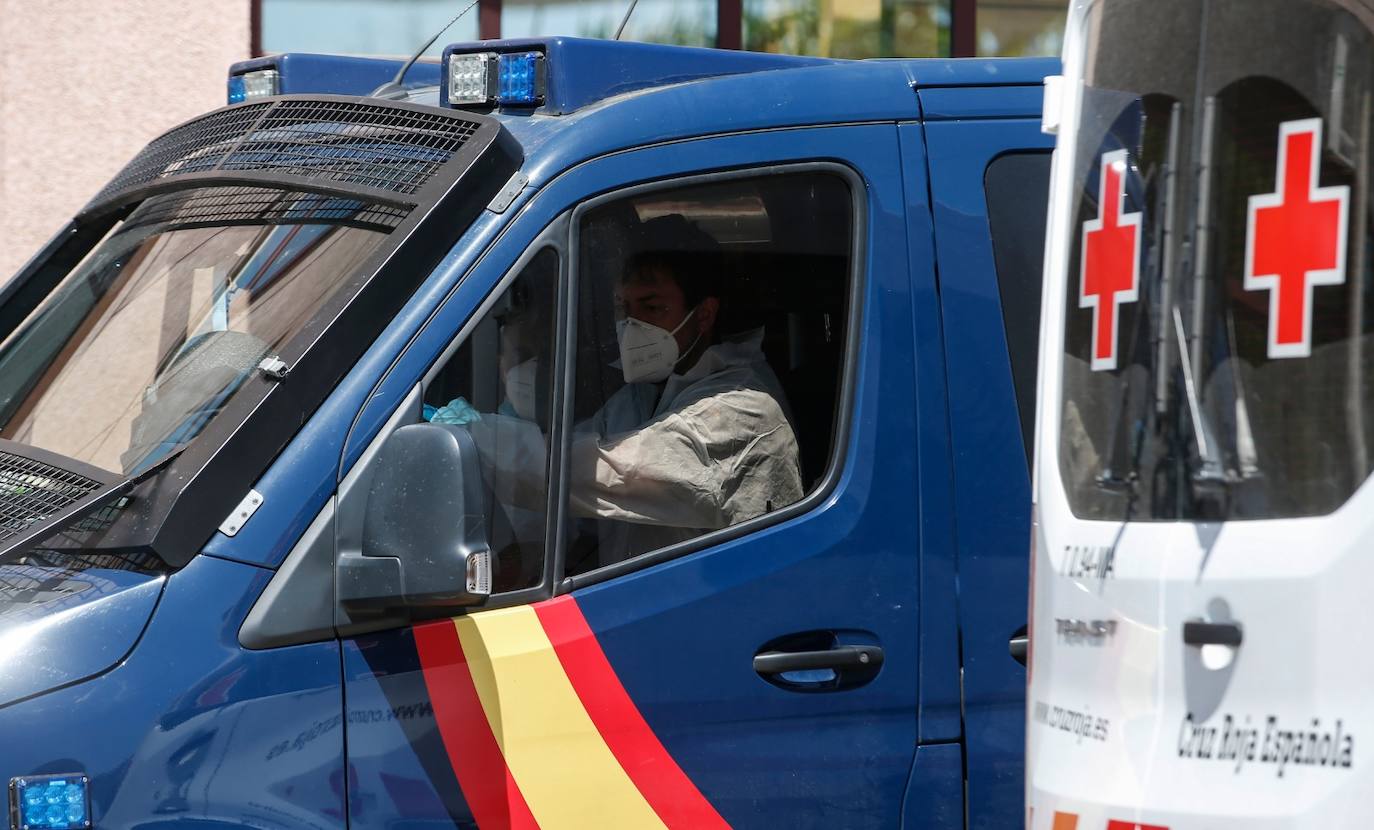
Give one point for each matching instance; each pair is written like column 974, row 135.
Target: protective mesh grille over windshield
column 217, row 206
column 345, row 143
column 31, row 491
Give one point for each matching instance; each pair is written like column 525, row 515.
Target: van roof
column 611, row 95
column 789, row 95
column 585, row 71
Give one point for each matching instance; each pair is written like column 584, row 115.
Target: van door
column 990, row 179
column 744, row 651
column 1204, row 492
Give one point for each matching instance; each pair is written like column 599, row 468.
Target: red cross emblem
column 1110, row 272
column 1295, row 238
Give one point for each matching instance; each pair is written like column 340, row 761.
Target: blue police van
column 571, row 434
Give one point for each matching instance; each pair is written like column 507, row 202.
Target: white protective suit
column 715, row 449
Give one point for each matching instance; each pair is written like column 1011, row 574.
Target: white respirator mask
column 648, row 352
column 521, row 380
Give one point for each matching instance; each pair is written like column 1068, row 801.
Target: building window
column 829, row 28
column 360, row 27
column 679, row 22
column 1011, row 28
column 848, row 28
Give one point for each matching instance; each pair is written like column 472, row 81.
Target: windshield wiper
column 1211, row 478
column 1210, row 470
column 1121, row 472
column 1246, row 455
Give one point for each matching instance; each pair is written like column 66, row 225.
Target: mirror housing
column 424, row 542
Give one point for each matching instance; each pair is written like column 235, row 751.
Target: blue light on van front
column 520, row 79
column 50, row 802
column 237, row 93
column 259, row 83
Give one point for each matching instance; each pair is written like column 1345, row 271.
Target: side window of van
column 711, row 323
column 1017, row 189
column 499, row 385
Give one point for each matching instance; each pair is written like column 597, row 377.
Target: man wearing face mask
column 699, row 437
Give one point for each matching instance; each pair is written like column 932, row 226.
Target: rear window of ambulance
column 1226, row 378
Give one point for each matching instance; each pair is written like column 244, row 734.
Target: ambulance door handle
column 1198, row 633
column 839, row 659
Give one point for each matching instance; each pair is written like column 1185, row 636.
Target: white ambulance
column 1203, row 564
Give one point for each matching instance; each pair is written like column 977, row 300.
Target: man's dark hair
column 690, row 256
column 696, row 273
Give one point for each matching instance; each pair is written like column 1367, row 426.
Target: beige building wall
column 84, row 84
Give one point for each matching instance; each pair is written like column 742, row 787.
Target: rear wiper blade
column 1123, row 476
column 1210, row 473
column 1121, row 470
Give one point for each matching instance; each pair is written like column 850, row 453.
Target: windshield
column 1219, row 322
column 148, row 339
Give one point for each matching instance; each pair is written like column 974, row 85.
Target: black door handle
column 1198, row 633
column 1019, row 645
column 843, row 657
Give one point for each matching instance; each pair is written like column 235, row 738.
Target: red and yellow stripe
column 1069, row 821
column 540, row 731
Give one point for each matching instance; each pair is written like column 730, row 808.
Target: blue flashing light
column 259, row 83
column 51, row 802
column 238, row 93
column 520, row 79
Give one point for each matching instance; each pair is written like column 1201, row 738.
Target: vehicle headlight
column 50, row 802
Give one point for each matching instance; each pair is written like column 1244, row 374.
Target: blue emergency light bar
column 50, row 802
column 260, row 83
column 558, row 75
column 486, row 78
column 298, row 73
column 520, row 79
column 554, row 75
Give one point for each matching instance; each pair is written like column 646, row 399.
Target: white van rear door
column 1205, row 441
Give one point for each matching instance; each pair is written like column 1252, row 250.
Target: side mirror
column 424, row 542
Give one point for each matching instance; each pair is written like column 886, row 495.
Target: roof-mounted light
column 513, row 79
column 520, row 79
column 261, row 83
column 471, row 78
column 50, row 802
